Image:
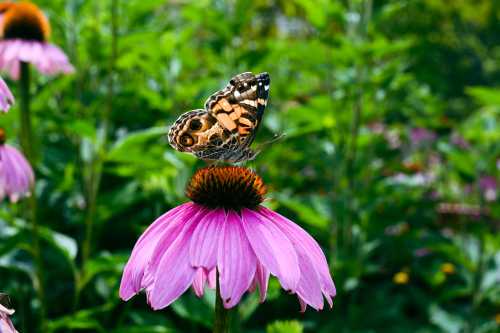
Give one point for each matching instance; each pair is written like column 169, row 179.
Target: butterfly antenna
column 277, row 137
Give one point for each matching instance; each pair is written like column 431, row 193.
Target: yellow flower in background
column 497, row 318
column 401, row 278
column 448, row 268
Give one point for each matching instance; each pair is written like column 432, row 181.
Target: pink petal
column 273, row 249
column 300, row 237
column 262, row 280
column 46, row 58
column 236, row 261
column 6, row 98
column 5, row 322
column 173, row 274
column 203, row 247
column 190, row 221
column 199, row 281
column 169, row 223
column 16, row 175
column 4, row 310
column 309, row 287
column 212, row 278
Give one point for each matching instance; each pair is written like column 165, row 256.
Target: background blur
column 391, row 159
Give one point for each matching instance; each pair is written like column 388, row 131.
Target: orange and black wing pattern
column 224, row 130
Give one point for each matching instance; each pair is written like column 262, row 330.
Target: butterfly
column 226, row 127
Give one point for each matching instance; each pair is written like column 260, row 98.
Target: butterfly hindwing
column 228, row 124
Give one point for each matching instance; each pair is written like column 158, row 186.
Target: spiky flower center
column 3, row 136
column 227, row 187
column 23, row 20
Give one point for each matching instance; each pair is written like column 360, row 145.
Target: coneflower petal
column 262, row 280
column 6, row 325
column 273, row 249
column 205, row 239
column 301, row 238
column 174, row 274
column 6, row 97
column 187, row 223
column 199, row 281
column 236, row 261
column 169, row 222
column 309, row 287
column 16, row 175
column 46, row 58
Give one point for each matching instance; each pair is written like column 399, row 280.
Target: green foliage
column 351, row 83
column 285, row 327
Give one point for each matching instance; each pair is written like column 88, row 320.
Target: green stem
column 359, row 32
column 27, row 143
column 95, row 167
column 222, row 315
column 24, row 103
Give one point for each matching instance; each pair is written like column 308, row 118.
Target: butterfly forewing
column 228, row 124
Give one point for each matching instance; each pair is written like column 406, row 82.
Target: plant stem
column 222, row 315
column 358, row 31
column 27, row 143
column 95, row 172
column 25, row 115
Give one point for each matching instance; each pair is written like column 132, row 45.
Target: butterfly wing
column 191, row 130
column 230, row 151
column 199, row 133
column 227, row 126
column 239, row 107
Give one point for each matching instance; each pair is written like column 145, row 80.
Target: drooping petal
column 262, row 280
column 46, row 58
column 173, row 273
column 199, row 281
column 16, row 175
column 309, row 287
column 6, row 98
column 205, row 239
column 236, row 261
column 6, row 325
column 301, row 238
column 168, row 223
column 273, row 249
column 212, row 278
column 6, row 311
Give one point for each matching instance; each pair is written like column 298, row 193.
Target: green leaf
column 292, row 326
column 446, row 321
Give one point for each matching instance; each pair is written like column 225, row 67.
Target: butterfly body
column 224, row 130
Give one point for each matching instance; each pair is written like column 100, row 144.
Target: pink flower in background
column 459, row 141
column 488, row 185
column 5, row 322
column 6, row 98
column 25, row 31
column 16, row 174
column 420, row 135
column 225, row 232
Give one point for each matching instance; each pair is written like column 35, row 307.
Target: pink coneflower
column 6, row 98
column 225, row 232
column 25, row 31
column 16, row 175
column 6, row 325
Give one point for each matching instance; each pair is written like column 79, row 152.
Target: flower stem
column 222, row 315
column 26, row 139
column 96, row 165
column 25, row 121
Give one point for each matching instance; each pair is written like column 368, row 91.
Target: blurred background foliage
column 391, row 157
